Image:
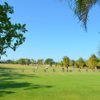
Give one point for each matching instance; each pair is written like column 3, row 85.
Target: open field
column 19, row 84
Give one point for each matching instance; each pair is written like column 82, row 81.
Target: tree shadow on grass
column 12, row 84
column 3, row 93
column 13, row 76
column 5, row 74
column 8, row 82
column 6, row 85
column 38, row 86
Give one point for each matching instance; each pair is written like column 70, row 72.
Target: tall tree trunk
column 67, row 69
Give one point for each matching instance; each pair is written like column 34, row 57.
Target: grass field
column 16, row 84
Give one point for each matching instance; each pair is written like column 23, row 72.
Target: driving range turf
column 22, row 83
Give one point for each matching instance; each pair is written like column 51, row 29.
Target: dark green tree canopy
column 11, row 35
column 49, row 61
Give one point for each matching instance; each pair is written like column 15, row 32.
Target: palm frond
column 81, row 9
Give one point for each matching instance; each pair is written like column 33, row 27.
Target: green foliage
column 24, row 61
column 66, row 61
column 92, row 61
column 33, row 61
column 81, row 9
column 87, row 63
column 49, row 61
column 11, row 35
column 72, row 62
column 76, row 64
column 40, row 61
column 61, row 63
column 80, row 62
column 98, row 61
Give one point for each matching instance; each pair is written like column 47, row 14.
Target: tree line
column 92, row 63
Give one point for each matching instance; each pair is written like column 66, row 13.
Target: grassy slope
column 29, row 85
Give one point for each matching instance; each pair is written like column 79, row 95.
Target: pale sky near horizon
column 54, row 31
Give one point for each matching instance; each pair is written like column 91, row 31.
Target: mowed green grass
column 16, row 84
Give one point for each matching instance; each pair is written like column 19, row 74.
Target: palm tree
column 66, row 62
column 93, row 62
column 80, row 63
column 81, row 9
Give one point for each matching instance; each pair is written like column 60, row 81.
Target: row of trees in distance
column 92, row 63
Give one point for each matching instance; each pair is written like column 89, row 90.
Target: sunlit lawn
column 16, row 84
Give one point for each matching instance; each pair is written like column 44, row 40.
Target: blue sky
column 54, row 31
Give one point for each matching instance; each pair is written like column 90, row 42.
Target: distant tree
column 98, row 64
column 24, row 61
column 87, row 65
column 80, row 63
column 66, row 62
column 92, row 61
column 33, row 61
column 49, row 61
column 98, row 60
column 72, row 64
column 21, row 61
column 62, row 65
column 27, row 61
column 11, row 35
column 76, row 64
column 40, row 62
column 9, row 61
column 56, row 64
